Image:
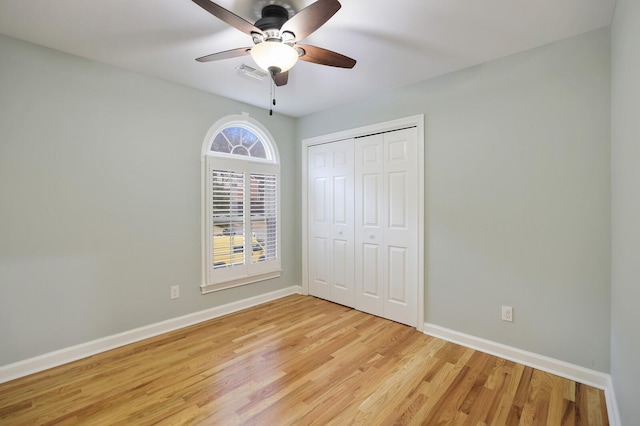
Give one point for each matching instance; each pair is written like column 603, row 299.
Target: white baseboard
column 564, row 369
column 83, row 350
column 612, row 404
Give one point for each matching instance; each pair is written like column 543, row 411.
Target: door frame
column 387, row 126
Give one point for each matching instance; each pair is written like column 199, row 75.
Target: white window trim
column 240, row 120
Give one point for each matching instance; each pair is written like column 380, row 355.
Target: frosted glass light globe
column 274, row 56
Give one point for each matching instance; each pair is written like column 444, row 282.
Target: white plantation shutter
column 227, row 217
column 241, row 209
column 264, row 213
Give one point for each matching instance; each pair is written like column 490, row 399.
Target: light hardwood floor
column 298, row 360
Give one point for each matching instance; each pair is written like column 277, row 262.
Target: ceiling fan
column 275, row 37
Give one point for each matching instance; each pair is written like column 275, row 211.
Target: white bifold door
column 386, row 223
column 330, row 222
column 363, row 223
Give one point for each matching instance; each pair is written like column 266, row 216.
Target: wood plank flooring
column 297, row 361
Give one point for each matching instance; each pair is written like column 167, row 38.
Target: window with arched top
column 241, row 204
column 240, row 141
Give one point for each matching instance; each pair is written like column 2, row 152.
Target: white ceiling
column 396, row 42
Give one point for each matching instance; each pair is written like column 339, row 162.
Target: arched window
column 241, row 204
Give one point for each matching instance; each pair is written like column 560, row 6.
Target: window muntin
column 241, row 199
column 239, row 141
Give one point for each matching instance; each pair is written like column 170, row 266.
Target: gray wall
column 100, row 199
column 625, row 303
column 517, row 195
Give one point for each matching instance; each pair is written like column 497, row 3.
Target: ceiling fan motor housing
column 273, row 17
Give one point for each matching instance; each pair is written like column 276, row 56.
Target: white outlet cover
column 507, row 313
column 175, row 292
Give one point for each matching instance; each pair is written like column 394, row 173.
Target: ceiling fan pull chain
column 273, row 95
column 271, row 84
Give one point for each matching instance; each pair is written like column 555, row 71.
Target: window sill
column 210, row 288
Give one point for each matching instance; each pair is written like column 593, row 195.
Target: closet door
column 401, row 226
column 386, row 220
column 331, row 230
column 369, row 247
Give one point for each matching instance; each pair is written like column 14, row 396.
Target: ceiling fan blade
column 228, row 17
column 311, row 18
column 281, row 78
column 321, row 56
column 233, row 53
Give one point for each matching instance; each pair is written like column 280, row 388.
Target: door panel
column 371, row 200
column 319, row 223
column 401, row 226
column 319, row 198
column 340, row 268
column 398, row 149
column 397, row 204
column 386, row 225
column 368, row 236
column 320, row 268
column 398, row 272
column 340, row 202
column 342, row 228
column 331, row 205
column 369, row 297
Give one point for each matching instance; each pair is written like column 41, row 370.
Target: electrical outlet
column 175, row 291
column 507, row 313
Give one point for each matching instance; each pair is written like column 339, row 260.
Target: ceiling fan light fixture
column 274, row 56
